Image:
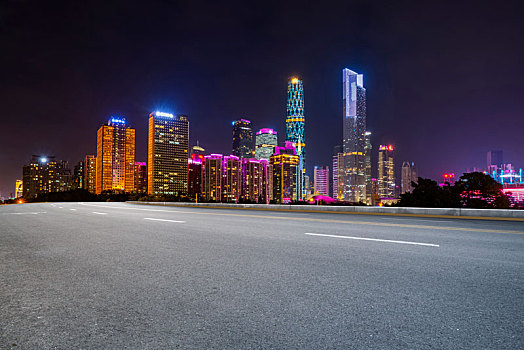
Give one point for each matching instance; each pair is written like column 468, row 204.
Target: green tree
column 478, row 190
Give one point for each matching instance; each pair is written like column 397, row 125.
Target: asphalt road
column 115, row 276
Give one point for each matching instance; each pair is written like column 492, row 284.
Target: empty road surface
column 118, row 275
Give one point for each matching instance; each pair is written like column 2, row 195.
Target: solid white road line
column 96, row 212
column 152, row 219
column 373, row 239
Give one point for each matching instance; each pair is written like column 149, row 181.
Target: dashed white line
column 127, row 208
column 27, row 213
column 153, row 219
column 373, row 239
column 73, row 209
column 96, row 212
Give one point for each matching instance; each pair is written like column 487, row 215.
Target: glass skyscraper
column 354, row 137
column 295, row 128
column 265, row 143
column 242, row 139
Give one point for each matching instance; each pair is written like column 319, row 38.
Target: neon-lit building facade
column 242, row 139
column 256, row 181
column 265, row 142
column 367, row 152
column 321, row 181
column 231, row 179
column 212, row 178
column 168, row 148
column 295, row 129
column 354, row 137
column 386, row 173
column 115, row 156
column 285, row 167
column 194, row 175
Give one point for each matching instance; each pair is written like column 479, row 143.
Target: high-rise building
column 265, row 143
column 495, row 160
column 386, row 172
column 285, row 166
column 78, row 175
column 44, row 174
column 212, row 178
column 354, row 137
column 336, row 169
column 295, row 129
column 256, row 183
column 368, row 149
column 168, row 148
column 115, row 155
column 231, row 179
column 242, row 139
column 90, row 173
column 409, row 175
column 140, row 177
column 19, row 188
column 194, row 175
column 321, row 181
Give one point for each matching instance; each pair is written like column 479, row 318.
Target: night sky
column 443, row 79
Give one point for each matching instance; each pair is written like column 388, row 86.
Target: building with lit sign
column 386, row 172
column 409, row 175
column 321, row 181
column 265, row 142
column 242, row 139
column 44, row 174
column 285, row 167
column 115, row 157
column 168, row 146
column 354, row 138
column 295, row 129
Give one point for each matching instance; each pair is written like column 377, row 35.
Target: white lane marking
column 28, row 213
column 96, row 212
column 126, row 208
column 181, row 222
column 61, row 207
column 373, row 239
column 73, row 209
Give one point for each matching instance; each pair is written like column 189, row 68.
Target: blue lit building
column 295, row 123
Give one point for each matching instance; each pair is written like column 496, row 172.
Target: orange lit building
column 115, row 159
column 90, row 173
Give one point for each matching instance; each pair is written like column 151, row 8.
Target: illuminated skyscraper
column 354, row 137
column 285, row 166
column 265, row 143
column 140, row 177
column 168, row 147
column 90, row 173
column 295, row 129
column 256, row 181
column 78, row 175
column 115, row 155
column 321, row 181
column 409, row 175
column 386, row 172
column 337, row 169
column 242, row 139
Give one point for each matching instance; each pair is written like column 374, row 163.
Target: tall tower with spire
column 295, row 123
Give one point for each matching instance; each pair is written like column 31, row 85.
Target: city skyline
column 57, row 119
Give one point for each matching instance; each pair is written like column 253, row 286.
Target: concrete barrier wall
column 459, row 212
